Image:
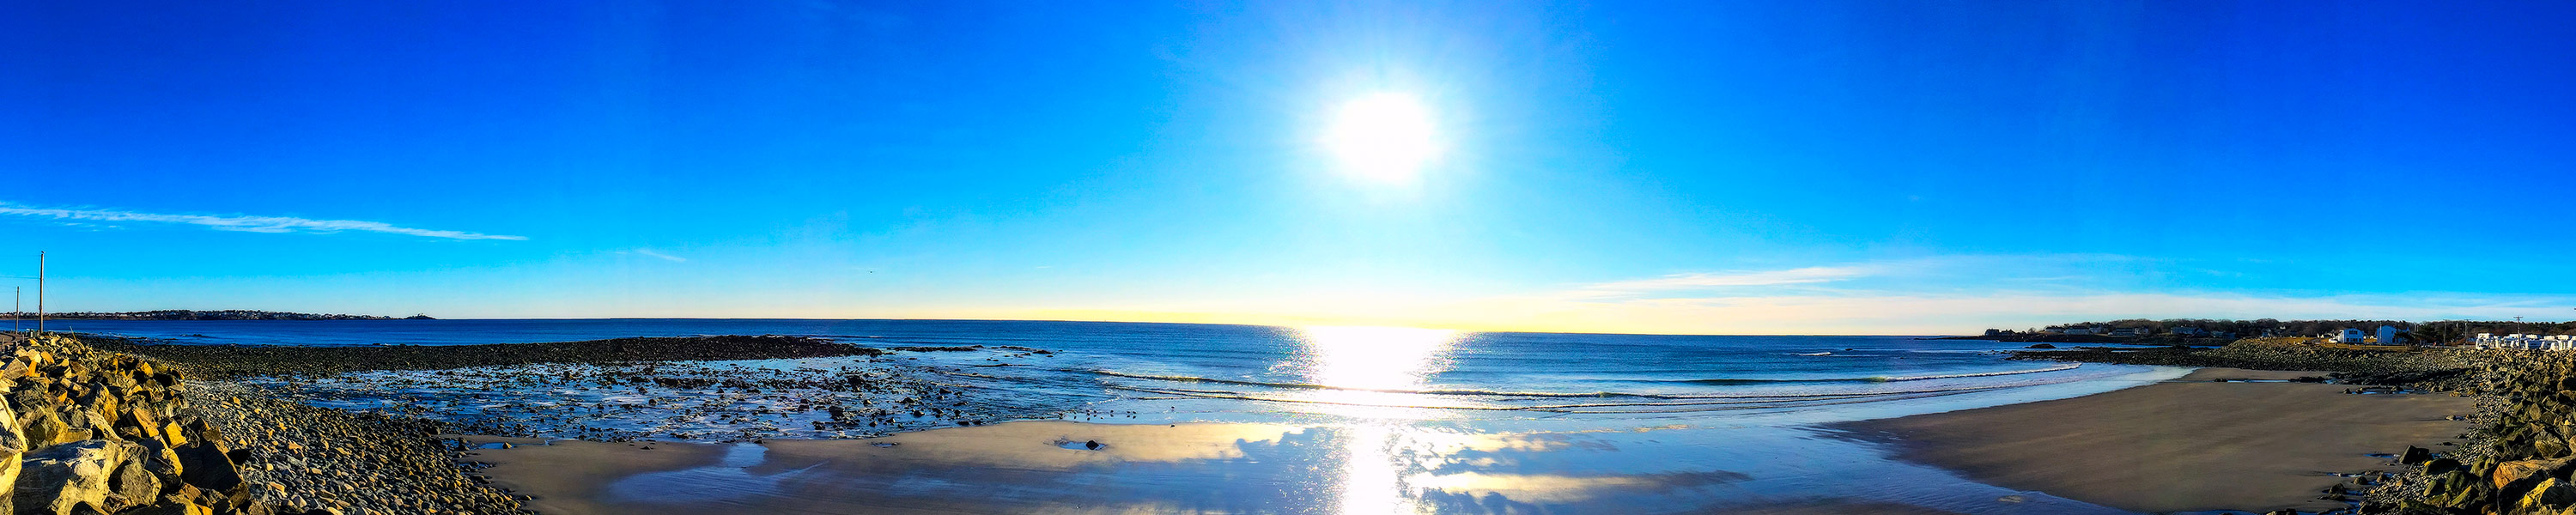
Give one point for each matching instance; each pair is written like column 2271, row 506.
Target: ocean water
column 1201, row 372
column 1405, row 420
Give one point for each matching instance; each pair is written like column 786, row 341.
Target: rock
column 64, row 479
column 2456, row 489
column 172, row 507
column 133, row 482
column 2415, row 455
column 2440, row 465
column 11, row 447
column 2040, row 346
column 47, row 430
column 2513, row 476
column 205, row 466
column 2549, row 494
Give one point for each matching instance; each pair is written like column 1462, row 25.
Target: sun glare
column 1373, row 358
column 1384, row 136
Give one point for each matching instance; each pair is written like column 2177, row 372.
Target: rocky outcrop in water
column 226, row 361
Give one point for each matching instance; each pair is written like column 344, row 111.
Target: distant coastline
column 226, row 314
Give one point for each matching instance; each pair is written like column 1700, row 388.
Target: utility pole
column 40, row 292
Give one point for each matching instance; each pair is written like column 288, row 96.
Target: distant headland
column 225, row 314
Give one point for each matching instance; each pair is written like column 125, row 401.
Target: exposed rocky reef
column 221, row 314
column 226, row 361
column 699, row 388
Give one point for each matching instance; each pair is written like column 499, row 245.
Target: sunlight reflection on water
column 1365, row 366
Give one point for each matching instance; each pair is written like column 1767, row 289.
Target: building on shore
column 2524, row 341
column 2387, row 335
column 2349, row 335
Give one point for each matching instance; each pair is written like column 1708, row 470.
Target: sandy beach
column 2189, row 444
column 2027, row 439
column 1048, row 467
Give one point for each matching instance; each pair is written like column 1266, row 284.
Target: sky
column 1795, row 167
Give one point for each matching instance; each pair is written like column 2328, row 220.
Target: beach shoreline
column 2272, row 440
column 2218, row 439
column 2258, row 441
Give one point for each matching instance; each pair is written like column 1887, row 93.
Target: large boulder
column 67, row 478
column 206, row 466
column 47, row 430
column 2514, row 476
column 159, row 459
column 11, row 446
column 2415, row 455
column 135, row 483
column 2456, row 489
column 2550, row 494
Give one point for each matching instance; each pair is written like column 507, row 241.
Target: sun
column 1383, row 136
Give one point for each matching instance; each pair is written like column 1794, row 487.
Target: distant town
column 226, row 314
column 2483, row 333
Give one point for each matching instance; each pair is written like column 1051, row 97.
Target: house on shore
column 2524, row 341
column 2349, row 335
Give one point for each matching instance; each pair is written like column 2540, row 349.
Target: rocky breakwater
column 2433, row 369
column 2523, row 455
column 98, row 432
column 109, row 433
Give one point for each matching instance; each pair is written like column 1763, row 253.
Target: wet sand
column 1045, row 467
column 2185, row 445
column 573, row 477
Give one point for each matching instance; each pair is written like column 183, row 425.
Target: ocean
column 1623, row 404
column 1235, row 372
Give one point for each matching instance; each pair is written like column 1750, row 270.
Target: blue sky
column 1786, row 167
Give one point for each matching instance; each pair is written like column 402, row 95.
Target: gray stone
column 67, row 478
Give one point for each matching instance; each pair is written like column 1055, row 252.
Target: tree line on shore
column 225, row 314
column 2442, row 331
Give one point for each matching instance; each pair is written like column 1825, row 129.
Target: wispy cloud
column 1923, row 295
column 1808, row 275
column 244, row 223
column 1884, row 313
column 665, row 257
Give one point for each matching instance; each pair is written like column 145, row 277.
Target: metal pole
column 40, row 291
